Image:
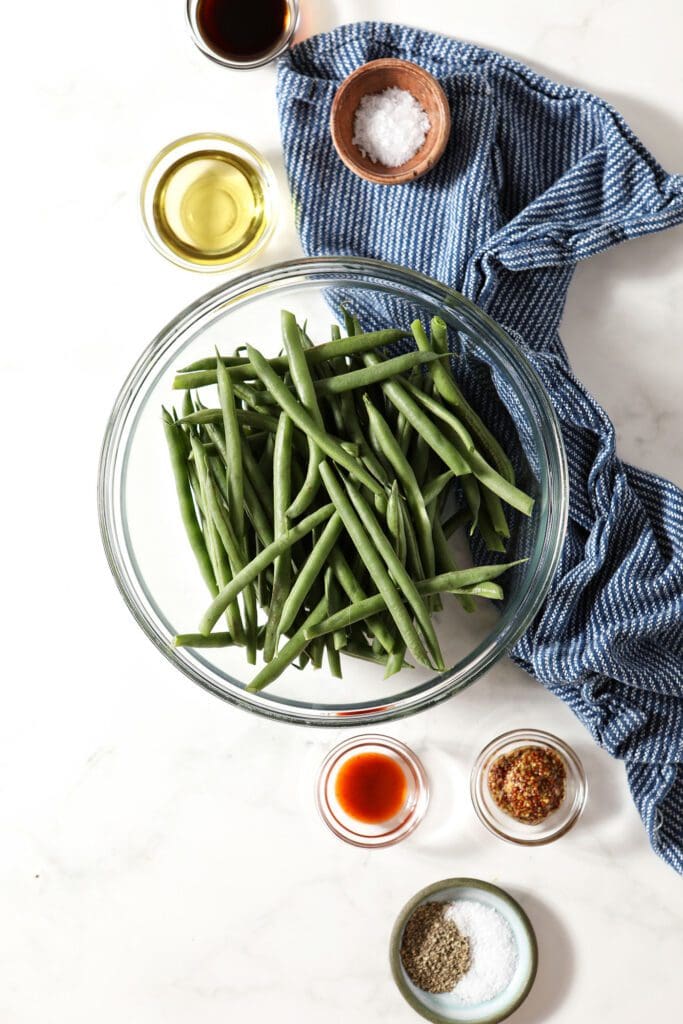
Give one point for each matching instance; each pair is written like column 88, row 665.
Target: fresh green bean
column 305, row 422
column 188, row 404
column 217, row 551
column 436, row 485
column 318, row 354
column 348, row 580
column 406, row 477
column 334, row 603
column 446, row 583
column 233, row 448
column 310, row 571
column 373, row 562
column 259, row 517
column 449, row 390
column 258, row 480
column 235, row 549
column 470, row 489
column 333, row 659
column 397, row 394
column 395, row 523
column 446, row 562
column 197, row 640
column 176, row 448
column 397, row 570
column 316, row 652
column 485, row 473
column 282, row 495
column 287, row 654
column 245, row 416
column 490, row 536
column 257, row 514
column 494, row 508
column 369, row 375
column 262, row 560
column 395, row 661
column 303, row 385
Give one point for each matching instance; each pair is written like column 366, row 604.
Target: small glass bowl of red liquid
column 372, row 791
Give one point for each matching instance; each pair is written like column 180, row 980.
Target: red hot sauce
column 371, row 787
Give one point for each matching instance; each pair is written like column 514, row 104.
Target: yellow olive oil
column 209, row 207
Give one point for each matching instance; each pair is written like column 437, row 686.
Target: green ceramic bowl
column 447, row 1008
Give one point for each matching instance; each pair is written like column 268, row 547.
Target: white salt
column 493, row 950
column 390, row 126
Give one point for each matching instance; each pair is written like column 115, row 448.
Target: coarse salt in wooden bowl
column 375, row 77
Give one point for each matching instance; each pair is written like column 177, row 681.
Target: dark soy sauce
column 243, row 30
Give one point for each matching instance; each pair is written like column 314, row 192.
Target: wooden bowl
column 376, row 76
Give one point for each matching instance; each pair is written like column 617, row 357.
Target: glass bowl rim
column 229, row 143
column 528, row 737
column 410, row 822
column 284, row 42
column 420, row 288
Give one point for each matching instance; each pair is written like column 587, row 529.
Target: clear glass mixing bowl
column 142, row 531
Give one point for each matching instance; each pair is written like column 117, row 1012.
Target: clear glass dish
column 384, row 833
column 278, row 48
column 503, row 825
column 142, row 530
column 190, row 146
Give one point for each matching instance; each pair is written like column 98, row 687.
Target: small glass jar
column 505, row 826
column 361, row 833
column 280, row 44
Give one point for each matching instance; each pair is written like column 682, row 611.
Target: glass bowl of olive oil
column 208, row 202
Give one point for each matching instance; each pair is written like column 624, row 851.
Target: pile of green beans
column 314, row 492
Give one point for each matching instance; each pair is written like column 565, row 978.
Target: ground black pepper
column 434, row 953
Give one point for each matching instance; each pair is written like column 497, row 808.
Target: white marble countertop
column 161, row 860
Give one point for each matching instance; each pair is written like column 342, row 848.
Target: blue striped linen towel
column 536, row 176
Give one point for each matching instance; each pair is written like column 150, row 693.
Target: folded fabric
column 536, row 176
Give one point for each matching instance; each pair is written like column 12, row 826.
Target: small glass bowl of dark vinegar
column 243, row 33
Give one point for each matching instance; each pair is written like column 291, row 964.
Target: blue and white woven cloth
column 536, row 177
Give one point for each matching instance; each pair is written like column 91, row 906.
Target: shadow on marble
column 441, row 831
column 606, row 803
column 556, row 962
